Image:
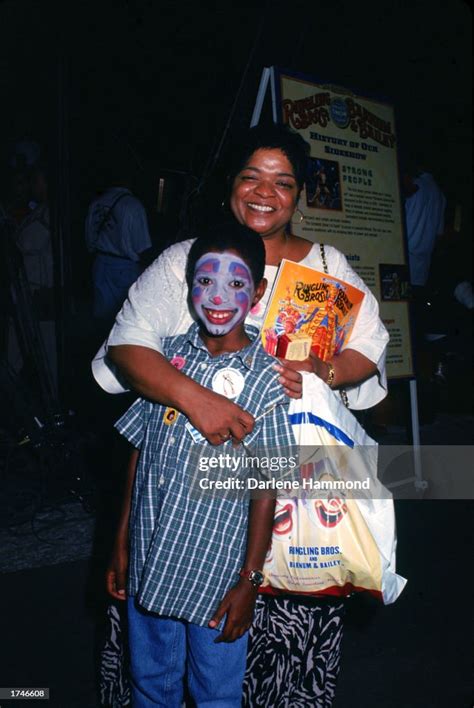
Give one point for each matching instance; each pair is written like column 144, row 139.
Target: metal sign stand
column 420, row 484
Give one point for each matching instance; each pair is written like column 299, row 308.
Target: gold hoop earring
column 301, row 217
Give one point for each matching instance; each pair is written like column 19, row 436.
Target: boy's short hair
column 226, row 236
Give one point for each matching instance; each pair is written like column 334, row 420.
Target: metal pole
column 262, row 90
column 420, row 483
column 61, row 231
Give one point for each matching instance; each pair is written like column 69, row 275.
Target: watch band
column 256, row 577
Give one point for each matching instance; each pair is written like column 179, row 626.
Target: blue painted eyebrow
column 211, row 265
column 240, row 270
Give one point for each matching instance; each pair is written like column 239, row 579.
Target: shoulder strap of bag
column 322, row 253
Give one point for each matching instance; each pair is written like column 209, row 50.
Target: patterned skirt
column 294, row 653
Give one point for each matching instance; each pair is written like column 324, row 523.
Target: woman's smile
column 260, row 207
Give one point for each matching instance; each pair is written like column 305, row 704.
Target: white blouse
column 157, row 307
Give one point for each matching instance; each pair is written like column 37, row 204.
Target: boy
column 195, row 560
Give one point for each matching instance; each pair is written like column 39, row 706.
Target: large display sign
column 352, row 197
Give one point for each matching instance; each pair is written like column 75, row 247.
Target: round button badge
column 228, row 382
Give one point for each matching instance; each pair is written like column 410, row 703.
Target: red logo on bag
column 330, row 512
column 283, row 519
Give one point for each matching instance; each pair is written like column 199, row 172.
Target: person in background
column 34, row 234
column 34, row 241
column 25, row 161
column 448, row 325
column 19, row 205
column 425, row 206
column 117, row 235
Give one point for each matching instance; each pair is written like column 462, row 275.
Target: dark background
column 149, row 88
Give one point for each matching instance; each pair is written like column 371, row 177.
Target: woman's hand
column 350, row 369
column 153, row 377
column 290, row 376
column 217, row 418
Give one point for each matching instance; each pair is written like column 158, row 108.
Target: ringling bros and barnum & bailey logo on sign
column 320, row 109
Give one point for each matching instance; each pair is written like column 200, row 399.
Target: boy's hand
column 116, row 573
column 237, row 604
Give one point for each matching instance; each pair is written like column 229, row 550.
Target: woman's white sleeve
column 369, row 336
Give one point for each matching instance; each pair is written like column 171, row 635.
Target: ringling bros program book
column 309, row 310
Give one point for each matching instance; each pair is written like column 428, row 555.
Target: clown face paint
column 222, row 292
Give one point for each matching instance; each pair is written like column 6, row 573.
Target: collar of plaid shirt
column 250, row 356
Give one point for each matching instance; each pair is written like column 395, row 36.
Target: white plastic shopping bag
column 337, row 535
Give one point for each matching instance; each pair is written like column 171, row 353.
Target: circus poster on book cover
column 309, row 307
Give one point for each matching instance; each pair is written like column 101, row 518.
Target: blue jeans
column 163, row 649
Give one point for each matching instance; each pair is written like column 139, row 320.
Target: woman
column 266, row 182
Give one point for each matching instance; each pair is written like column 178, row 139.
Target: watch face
column 256, row 577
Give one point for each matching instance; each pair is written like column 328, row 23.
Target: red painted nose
column 217, row 300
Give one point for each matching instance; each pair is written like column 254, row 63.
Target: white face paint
column 222, row 291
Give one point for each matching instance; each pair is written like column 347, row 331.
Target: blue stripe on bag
column 300, row 418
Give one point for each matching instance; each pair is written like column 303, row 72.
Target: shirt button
column 172, row 439
column 162, row 481
column 203, row 366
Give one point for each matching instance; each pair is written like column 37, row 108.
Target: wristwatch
column 256, row 577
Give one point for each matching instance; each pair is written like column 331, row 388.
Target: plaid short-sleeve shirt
column 186, row 550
